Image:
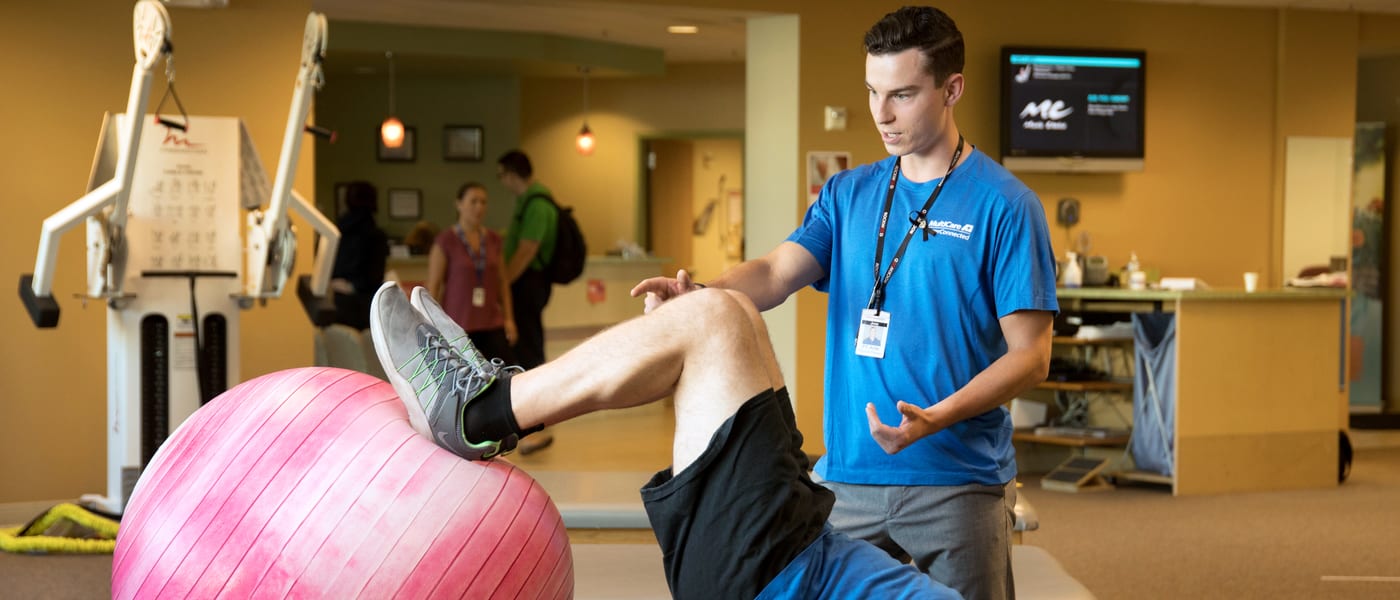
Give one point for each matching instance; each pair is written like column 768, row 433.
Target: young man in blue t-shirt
column 940, row 277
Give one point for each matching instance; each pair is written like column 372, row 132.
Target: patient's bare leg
column 708, row 348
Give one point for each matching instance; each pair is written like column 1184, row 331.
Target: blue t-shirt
column 991, row 257
column 836, row 566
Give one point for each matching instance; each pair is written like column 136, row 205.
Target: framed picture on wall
column 405, row 203
column 406, row 152
column 463, row 142
column 820, row 167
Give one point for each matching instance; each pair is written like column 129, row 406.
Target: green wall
column 354, row 105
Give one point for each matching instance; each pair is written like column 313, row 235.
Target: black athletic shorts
column 732, row 520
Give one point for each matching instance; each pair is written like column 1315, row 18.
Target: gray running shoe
column 431, row 378
column 430, row 310
column 456, row 336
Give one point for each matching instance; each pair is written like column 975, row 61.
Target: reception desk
column 597, row 299
column 1261, row 391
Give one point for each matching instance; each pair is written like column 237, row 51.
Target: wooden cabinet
column 1260, row 390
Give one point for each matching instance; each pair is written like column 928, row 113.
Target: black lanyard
column 877, row 296
column 480, row 261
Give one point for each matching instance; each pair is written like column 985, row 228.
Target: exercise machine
column 271, row 240
column 165, row 254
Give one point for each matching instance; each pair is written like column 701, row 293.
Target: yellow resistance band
column 64, row 529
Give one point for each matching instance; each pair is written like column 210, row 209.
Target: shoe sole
column 416, row 417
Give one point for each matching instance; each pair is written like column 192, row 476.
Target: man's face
column 511, row 181
column 910, row 111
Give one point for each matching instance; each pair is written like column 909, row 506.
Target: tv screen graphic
column 1072, row 109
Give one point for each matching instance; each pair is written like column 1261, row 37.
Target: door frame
column 642, row 233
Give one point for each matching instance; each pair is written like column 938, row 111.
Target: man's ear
column 952, row 89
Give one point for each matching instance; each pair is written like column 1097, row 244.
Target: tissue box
column 1183, row 284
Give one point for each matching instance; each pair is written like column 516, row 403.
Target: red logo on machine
column 173, row 138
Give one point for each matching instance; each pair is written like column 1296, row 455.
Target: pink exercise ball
column 310, row 483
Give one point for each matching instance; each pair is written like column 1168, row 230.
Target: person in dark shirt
column 360, row 259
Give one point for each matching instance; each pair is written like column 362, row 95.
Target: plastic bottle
column 1137, row 280
column 1074, row 274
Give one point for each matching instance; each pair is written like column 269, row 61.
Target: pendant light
column 585, row 142
column 391, row 131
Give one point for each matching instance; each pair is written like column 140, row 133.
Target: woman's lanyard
column 877, row 296
column 478, row 260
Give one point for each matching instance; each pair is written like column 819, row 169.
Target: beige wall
column 69, row 62
column 605, row 187
column 771, row 84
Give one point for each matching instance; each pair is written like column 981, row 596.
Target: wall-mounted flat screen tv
column 1072, row 109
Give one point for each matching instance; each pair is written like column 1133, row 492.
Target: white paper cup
column 1251, row 281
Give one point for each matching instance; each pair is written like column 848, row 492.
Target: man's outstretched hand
column 914, row 425
column 660, row 289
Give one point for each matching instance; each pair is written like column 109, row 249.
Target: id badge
column 478, row 297
column 874, row 330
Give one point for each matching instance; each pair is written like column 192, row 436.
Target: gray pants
column 959, row 535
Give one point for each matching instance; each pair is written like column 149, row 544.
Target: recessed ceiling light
column 682, row 29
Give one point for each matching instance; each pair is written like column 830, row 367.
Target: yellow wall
column 69, row 62
column 604, row 188
column 1225, row 87
column 715, row 159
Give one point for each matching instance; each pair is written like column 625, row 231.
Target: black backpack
column 570, row 251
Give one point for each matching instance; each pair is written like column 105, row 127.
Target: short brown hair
column 462, row 191
column 930, row 30
column 516, row 162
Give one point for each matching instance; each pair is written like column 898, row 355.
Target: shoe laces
column 470, row 381
column 510, row 369
column 468, row 351
column 440, row 361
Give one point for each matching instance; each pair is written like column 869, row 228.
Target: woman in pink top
column 467, row 276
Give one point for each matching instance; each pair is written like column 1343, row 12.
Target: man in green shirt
column 529, row 246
